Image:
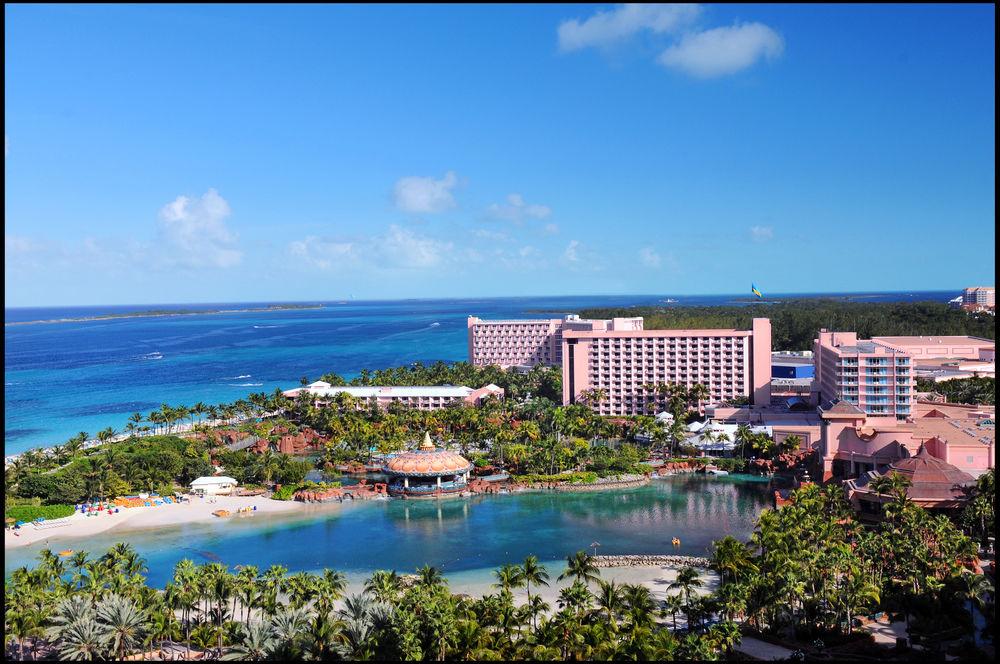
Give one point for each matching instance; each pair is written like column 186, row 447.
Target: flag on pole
column 753, row 287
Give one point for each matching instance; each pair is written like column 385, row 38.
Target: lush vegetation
column 525, row 436
column 73, row 474
column 288, row 490
column 807, row 572
column 32, row 512
column 975, row 390
column 794, row 322
column 570, row 478
column 810, row 568
column 540, row 381
column 82, row 608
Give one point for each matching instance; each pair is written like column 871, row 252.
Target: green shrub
column 285, row 493
column 571, row 478
column 32, row 512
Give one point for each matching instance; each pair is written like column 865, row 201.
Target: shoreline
column 161, row 314
column 194, row 510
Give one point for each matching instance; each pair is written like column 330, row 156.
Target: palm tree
column 688, row 579
column 532, row 572
column 974, row 588
column 430, row 576
column 610, row 599
column 383, row 585
column 581, row 567
column 509, row 576
column 672, row 605
column 731, row 559
column 123, row 624
column 257, row 643
column 83, row 640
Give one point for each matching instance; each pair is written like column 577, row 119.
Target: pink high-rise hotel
column 525, row 343
column 875, row 375
column 730, row 363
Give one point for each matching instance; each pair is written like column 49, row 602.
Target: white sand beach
column 194, row 509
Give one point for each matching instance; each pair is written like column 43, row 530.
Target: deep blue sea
column 61, row 378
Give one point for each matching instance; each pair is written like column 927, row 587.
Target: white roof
column 208, row 481
column 722, row 427
column 320, row 388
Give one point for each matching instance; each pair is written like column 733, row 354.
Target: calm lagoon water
column 467, row 537
column 67, row 377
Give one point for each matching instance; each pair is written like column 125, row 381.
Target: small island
column 168, row 312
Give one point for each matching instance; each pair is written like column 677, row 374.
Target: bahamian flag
column 753, row 287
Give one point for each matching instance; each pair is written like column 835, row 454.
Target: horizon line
column 471, row 297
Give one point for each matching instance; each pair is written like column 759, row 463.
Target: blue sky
column 226, row 153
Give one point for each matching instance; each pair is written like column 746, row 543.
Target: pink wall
column 761, row 358
column 731, row 363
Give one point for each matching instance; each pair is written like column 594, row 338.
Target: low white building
column 711, row 443
column 213, row 486
column 424, row 397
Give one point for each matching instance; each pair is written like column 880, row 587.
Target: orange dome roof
column 428, row 462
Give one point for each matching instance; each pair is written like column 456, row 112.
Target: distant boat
column 435, row 324
column 670, row 300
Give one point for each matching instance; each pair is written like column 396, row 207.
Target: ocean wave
column 264, row 327
column 246, row 384
column 237, row 377
column 155, row 355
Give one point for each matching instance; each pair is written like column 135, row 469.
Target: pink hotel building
column 730, row 363
column 525, row 343
column 875, row 375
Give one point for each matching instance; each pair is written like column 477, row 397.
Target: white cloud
column 572, row 251
column 402, row 248
column 551, row 229
column 425, row 194
column 761, row 233
column 195, row 232
column 722, row 51
column 397, row 248
column 321, row 253
column 484, row 234
column 607, row 27
column 649, row 257
column 516, row 210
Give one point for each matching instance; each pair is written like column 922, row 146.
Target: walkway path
column 757, row 649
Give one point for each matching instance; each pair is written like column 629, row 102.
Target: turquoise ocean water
column 83, row 376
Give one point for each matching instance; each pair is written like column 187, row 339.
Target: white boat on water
column 716, row 471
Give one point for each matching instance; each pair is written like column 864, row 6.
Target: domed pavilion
column 935, row 484
column 427, row 472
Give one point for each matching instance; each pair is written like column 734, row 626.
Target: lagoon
column 466, row 537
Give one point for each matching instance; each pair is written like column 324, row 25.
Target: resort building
column 944, row 347
column 525, row 343
column 778, row 421
column 853, row 443
column 213, row 486
column 423, row 397
column 731, row 364
column 427, row 472
column 719, row 439
column 979, row 298
column 934, row 485
column 873, row 375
